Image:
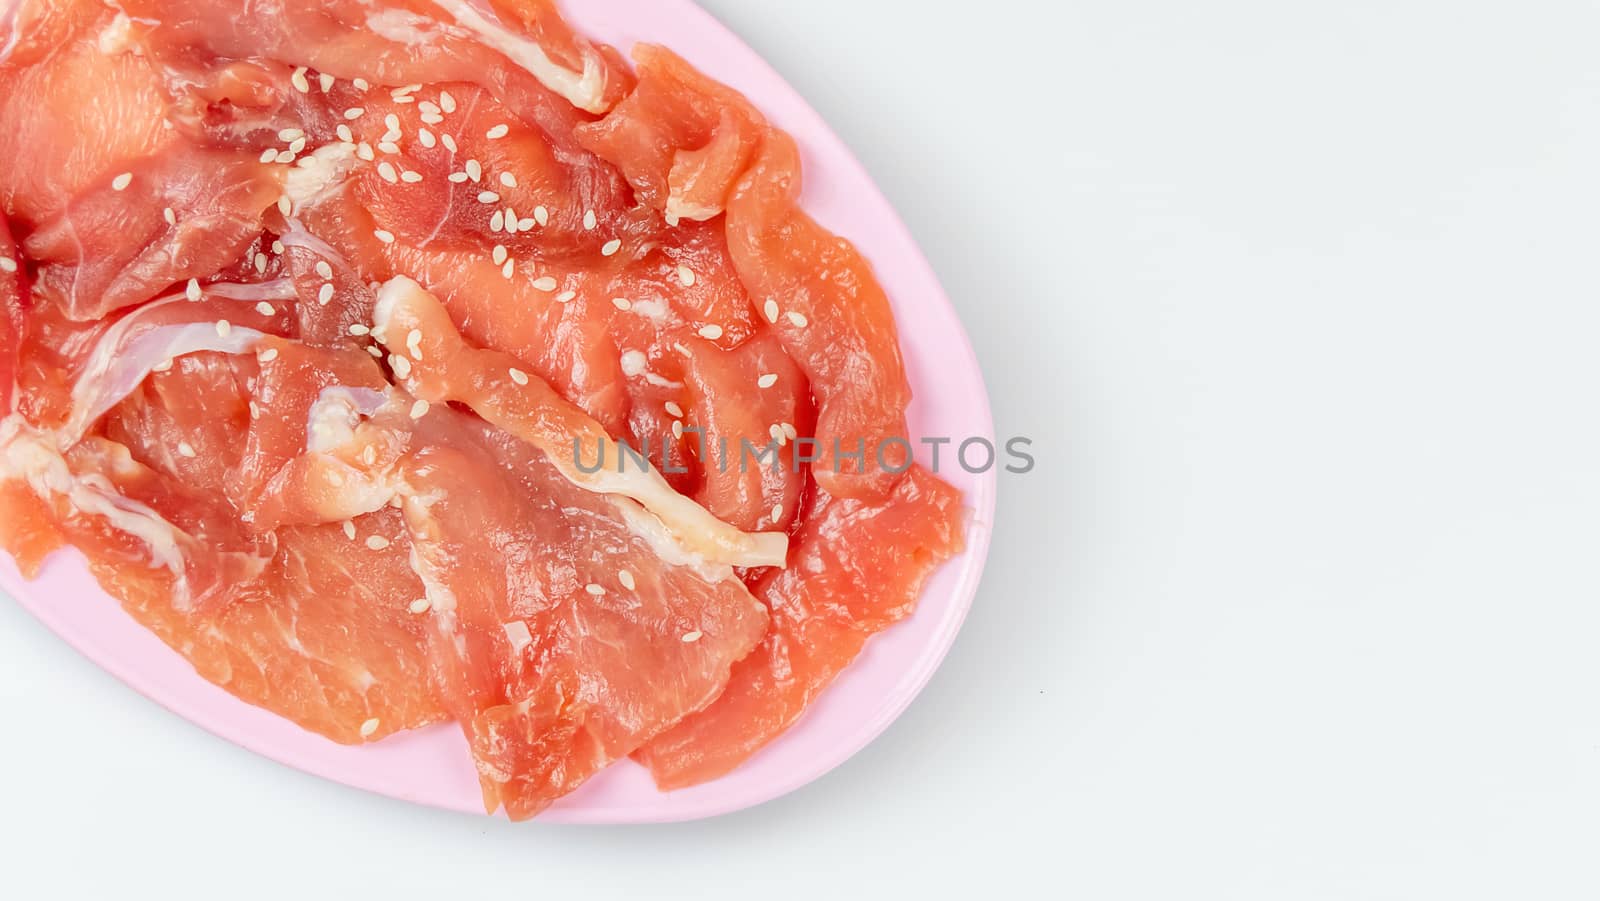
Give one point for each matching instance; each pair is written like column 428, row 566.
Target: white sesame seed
column 186, row 450
column 224, row 328
column 798, row 320
column 777, row 512
column 497, row 132
column 284, row 156
column 611, row 247
column 426, row 138
column 289, row 134
column 349, row 529
column 790, row 430
column 298, row 145
column 122, row 181
column 507, row 179
column 410, row 177
column 388, row 147
column 401, row 366
column 488, row 197
column 364, row 151
column 261, row 262
column 369, row 727
column 711, row 332
column 344, row 133
column 686, row 276
column 497, row 222
column 268, row 355
column 324, row 269
column 374, row 351
column 447, row 102
column 404, row 98
column 392, row 123
column 547, row 283
column 432, row 119
column 456, row 177
column 360, row 83
column 7, row 264
column 474, row 170
column 354, row 113
column 358, row 330
column 192, row 289
column 768, row 380
column 298, row 79
column 325, row 81
column 383, row 235
column 519, row 376
column 377, row 542
column 622, row 303
column 771, row 309
column 594, row 589
column 677, row 428
column 525, row 224
column 673, row 409
column 566, row 296
column 589, row 220
column 692, row 637
column 277, row 247
column 419, row 409
column 498, row 254
column 626, row 579
column 285, row 205
column 420, row 606
column 269, row 155
column 509, row 268
column 448, row 141
column 776, row 432
column 266, row 309
column 325, row 294
column 428, row 106
column 541, row 215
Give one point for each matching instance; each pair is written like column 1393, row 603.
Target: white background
column 1298, row 301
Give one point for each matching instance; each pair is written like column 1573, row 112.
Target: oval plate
column 432, row 766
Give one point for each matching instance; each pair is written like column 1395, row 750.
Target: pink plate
column 432, row 766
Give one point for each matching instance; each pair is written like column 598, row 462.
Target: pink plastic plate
column 432, row 766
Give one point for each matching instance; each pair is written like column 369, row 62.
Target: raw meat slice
column 415, row 326
column 744, row 443
column 692, row 147
column 71, row 114
column 566, row 639
column 150, row 338
column 559, row 618
column 126, row 237
column 273, row 618
column 832, row 317
column 400, row 42
column 307, row 397
column 857, row 567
